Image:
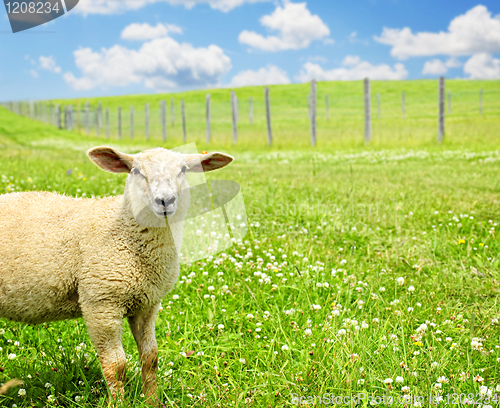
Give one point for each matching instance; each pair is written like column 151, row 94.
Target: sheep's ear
column 199, row 163
column 110, row 160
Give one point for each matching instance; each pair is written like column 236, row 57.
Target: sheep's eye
column 183, row 170
column 136, row 172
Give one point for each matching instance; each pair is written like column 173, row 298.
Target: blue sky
column 117, row 47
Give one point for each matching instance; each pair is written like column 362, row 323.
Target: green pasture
column 367, row 271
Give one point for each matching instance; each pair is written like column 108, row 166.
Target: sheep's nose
column 164, row 202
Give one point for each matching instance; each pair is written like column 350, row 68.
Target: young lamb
column 101, row 259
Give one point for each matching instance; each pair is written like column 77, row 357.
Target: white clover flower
column 284, row 347
column 220, row 327
column 361, row 381
column 175, row 297
column 242, row 361
column 48, row 385
column 411, row 288
column 388, row 381
column 381, row 289
column 342, row 332
column 434, row 364
column 250, row 316
column 12, row 356
column 308, row 332
column 405, row 389
column 400, row 379
column 21, row 392
column 401, row 281
column 211, row 288
column 443, row 380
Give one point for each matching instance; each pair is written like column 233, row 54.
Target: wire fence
column 328, row 109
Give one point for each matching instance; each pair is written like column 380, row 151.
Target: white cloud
column 434, row 67
column 160, row 64
column 354, row 69
column 270, row 75
column 295, row 25
column 49, row 63
column 438, row 67
column 119, row 6
column 482, row 66
column 351, row 60
column 33, row 73
column 474, row 32
column 143, row 32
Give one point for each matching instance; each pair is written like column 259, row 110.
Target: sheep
column 101, row 259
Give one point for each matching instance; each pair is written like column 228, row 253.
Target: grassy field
column 344, row 129
column 366, row 271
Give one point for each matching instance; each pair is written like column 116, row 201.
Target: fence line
column 88, row 119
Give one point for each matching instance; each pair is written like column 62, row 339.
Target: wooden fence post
column 119, row 123
column 378, row 105
column 234, row 116
column 368, row 113
column 481, row 101
column 163, row 105
column 207, row 112
column 183, row 121
column 268, row 116
column 70, row 128
column 250, row 109
column 313, row 112
column 172, row 111
column 146, row 119
column 441, row 109
column 107, row 123
column 58, row 116
column 131, row 122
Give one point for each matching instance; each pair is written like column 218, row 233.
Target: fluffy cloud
column 49, row 64
column 438, row 67
column 434, row 67
column 143, row 32
column 482, row 66
column 119, row 6
column 471, row 33
column 295, row 25
column 160, row 64
column 270, row 75
column 354, row 69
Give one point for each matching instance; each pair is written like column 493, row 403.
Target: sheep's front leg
column 105, row 331
column 143, row 329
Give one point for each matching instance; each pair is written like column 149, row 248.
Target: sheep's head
column 157, row 177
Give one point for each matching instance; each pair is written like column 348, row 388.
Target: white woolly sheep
column 64, row 257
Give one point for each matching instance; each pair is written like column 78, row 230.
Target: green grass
column 357, row 219
column 290, row 123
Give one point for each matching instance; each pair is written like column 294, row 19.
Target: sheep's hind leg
column 143, row 329
column 105, row 331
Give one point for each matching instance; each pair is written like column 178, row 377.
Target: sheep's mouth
column 164, row 214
